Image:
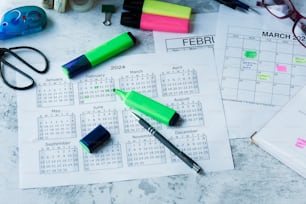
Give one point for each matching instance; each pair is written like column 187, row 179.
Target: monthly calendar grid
column 54, row 93
column 96, row 90
column 259, row 69
column 130, row 125
column 60, row 159
column 56, row 126
column 195, row 145
column 108, row 157
column 143, row 152
column 191, row 113
column 108, row 118
column 181, row 82
column 143, row 83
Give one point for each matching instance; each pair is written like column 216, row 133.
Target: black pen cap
column 130, row 19
column 133, row 5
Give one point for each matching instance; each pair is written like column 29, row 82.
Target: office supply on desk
column 58, row 112
column 228, row 3
column 149, row 107
column 158, row 8
column 286, row 9
column 202, row 35
column 108, row 9
column 94, row 139
column 234, row 4
column 151, row 22
column 81, row 5
column 48, row 4
column 241, row 5
column 284, row 136
column 187, row 160
column 8, row 65
column 99, row 54
column 60, row 5
column 261, row 67
column 22, row 21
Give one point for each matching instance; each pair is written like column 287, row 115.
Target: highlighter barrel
column 99, row 54
column 145, row 21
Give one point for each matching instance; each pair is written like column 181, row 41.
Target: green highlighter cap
column 149, row 107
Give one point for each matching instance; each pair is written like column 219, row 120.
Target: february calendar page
column 58, row 112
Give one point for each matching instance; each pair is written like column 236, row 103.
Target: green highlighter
column 149, row 107
column 99, row 54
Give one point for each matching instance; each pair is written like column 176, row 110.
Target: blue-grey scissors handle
column 9, row 51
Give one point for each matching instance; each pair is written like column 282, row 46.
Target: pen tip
column 197, row 168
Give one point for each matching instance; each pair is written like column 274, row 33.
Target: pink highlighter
column 155, row 22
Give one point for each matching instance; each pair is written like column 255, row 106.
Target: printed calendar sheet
column 261, row 66
column 58, row 112
column 202, row 35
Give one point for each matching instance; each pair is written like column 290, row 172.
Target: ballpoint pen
column 243, row 5
column 228, row 3
column 236, row 4
column 192, row 164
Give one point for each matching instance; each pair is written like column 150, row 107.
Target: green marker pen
column 149, row 107
column 99, row 54
column 158, row 8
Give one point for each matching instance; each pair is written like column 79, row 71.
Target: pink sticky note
column 300, row 143
column 281, row 68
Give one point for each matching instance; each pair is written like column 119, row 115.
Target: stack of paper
column 284, row 136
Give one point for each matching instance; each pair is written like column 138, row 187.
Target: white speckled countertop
column 257, row 177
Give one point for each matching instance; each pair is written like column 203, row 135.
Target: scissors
column 9, row 52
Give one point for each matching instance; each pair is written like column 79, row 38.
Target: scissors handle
column 10, row 51
column 26, row 63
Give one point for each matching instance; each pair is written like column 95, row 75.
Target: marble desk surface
column 257, row 177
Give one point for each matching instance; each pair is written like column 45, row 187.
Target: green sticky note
column 250, row 54
column 263, row 77
column 301, row 60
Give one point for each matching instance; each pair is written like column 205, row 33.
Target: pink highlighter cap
column 164, row 23
column 146, row 21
